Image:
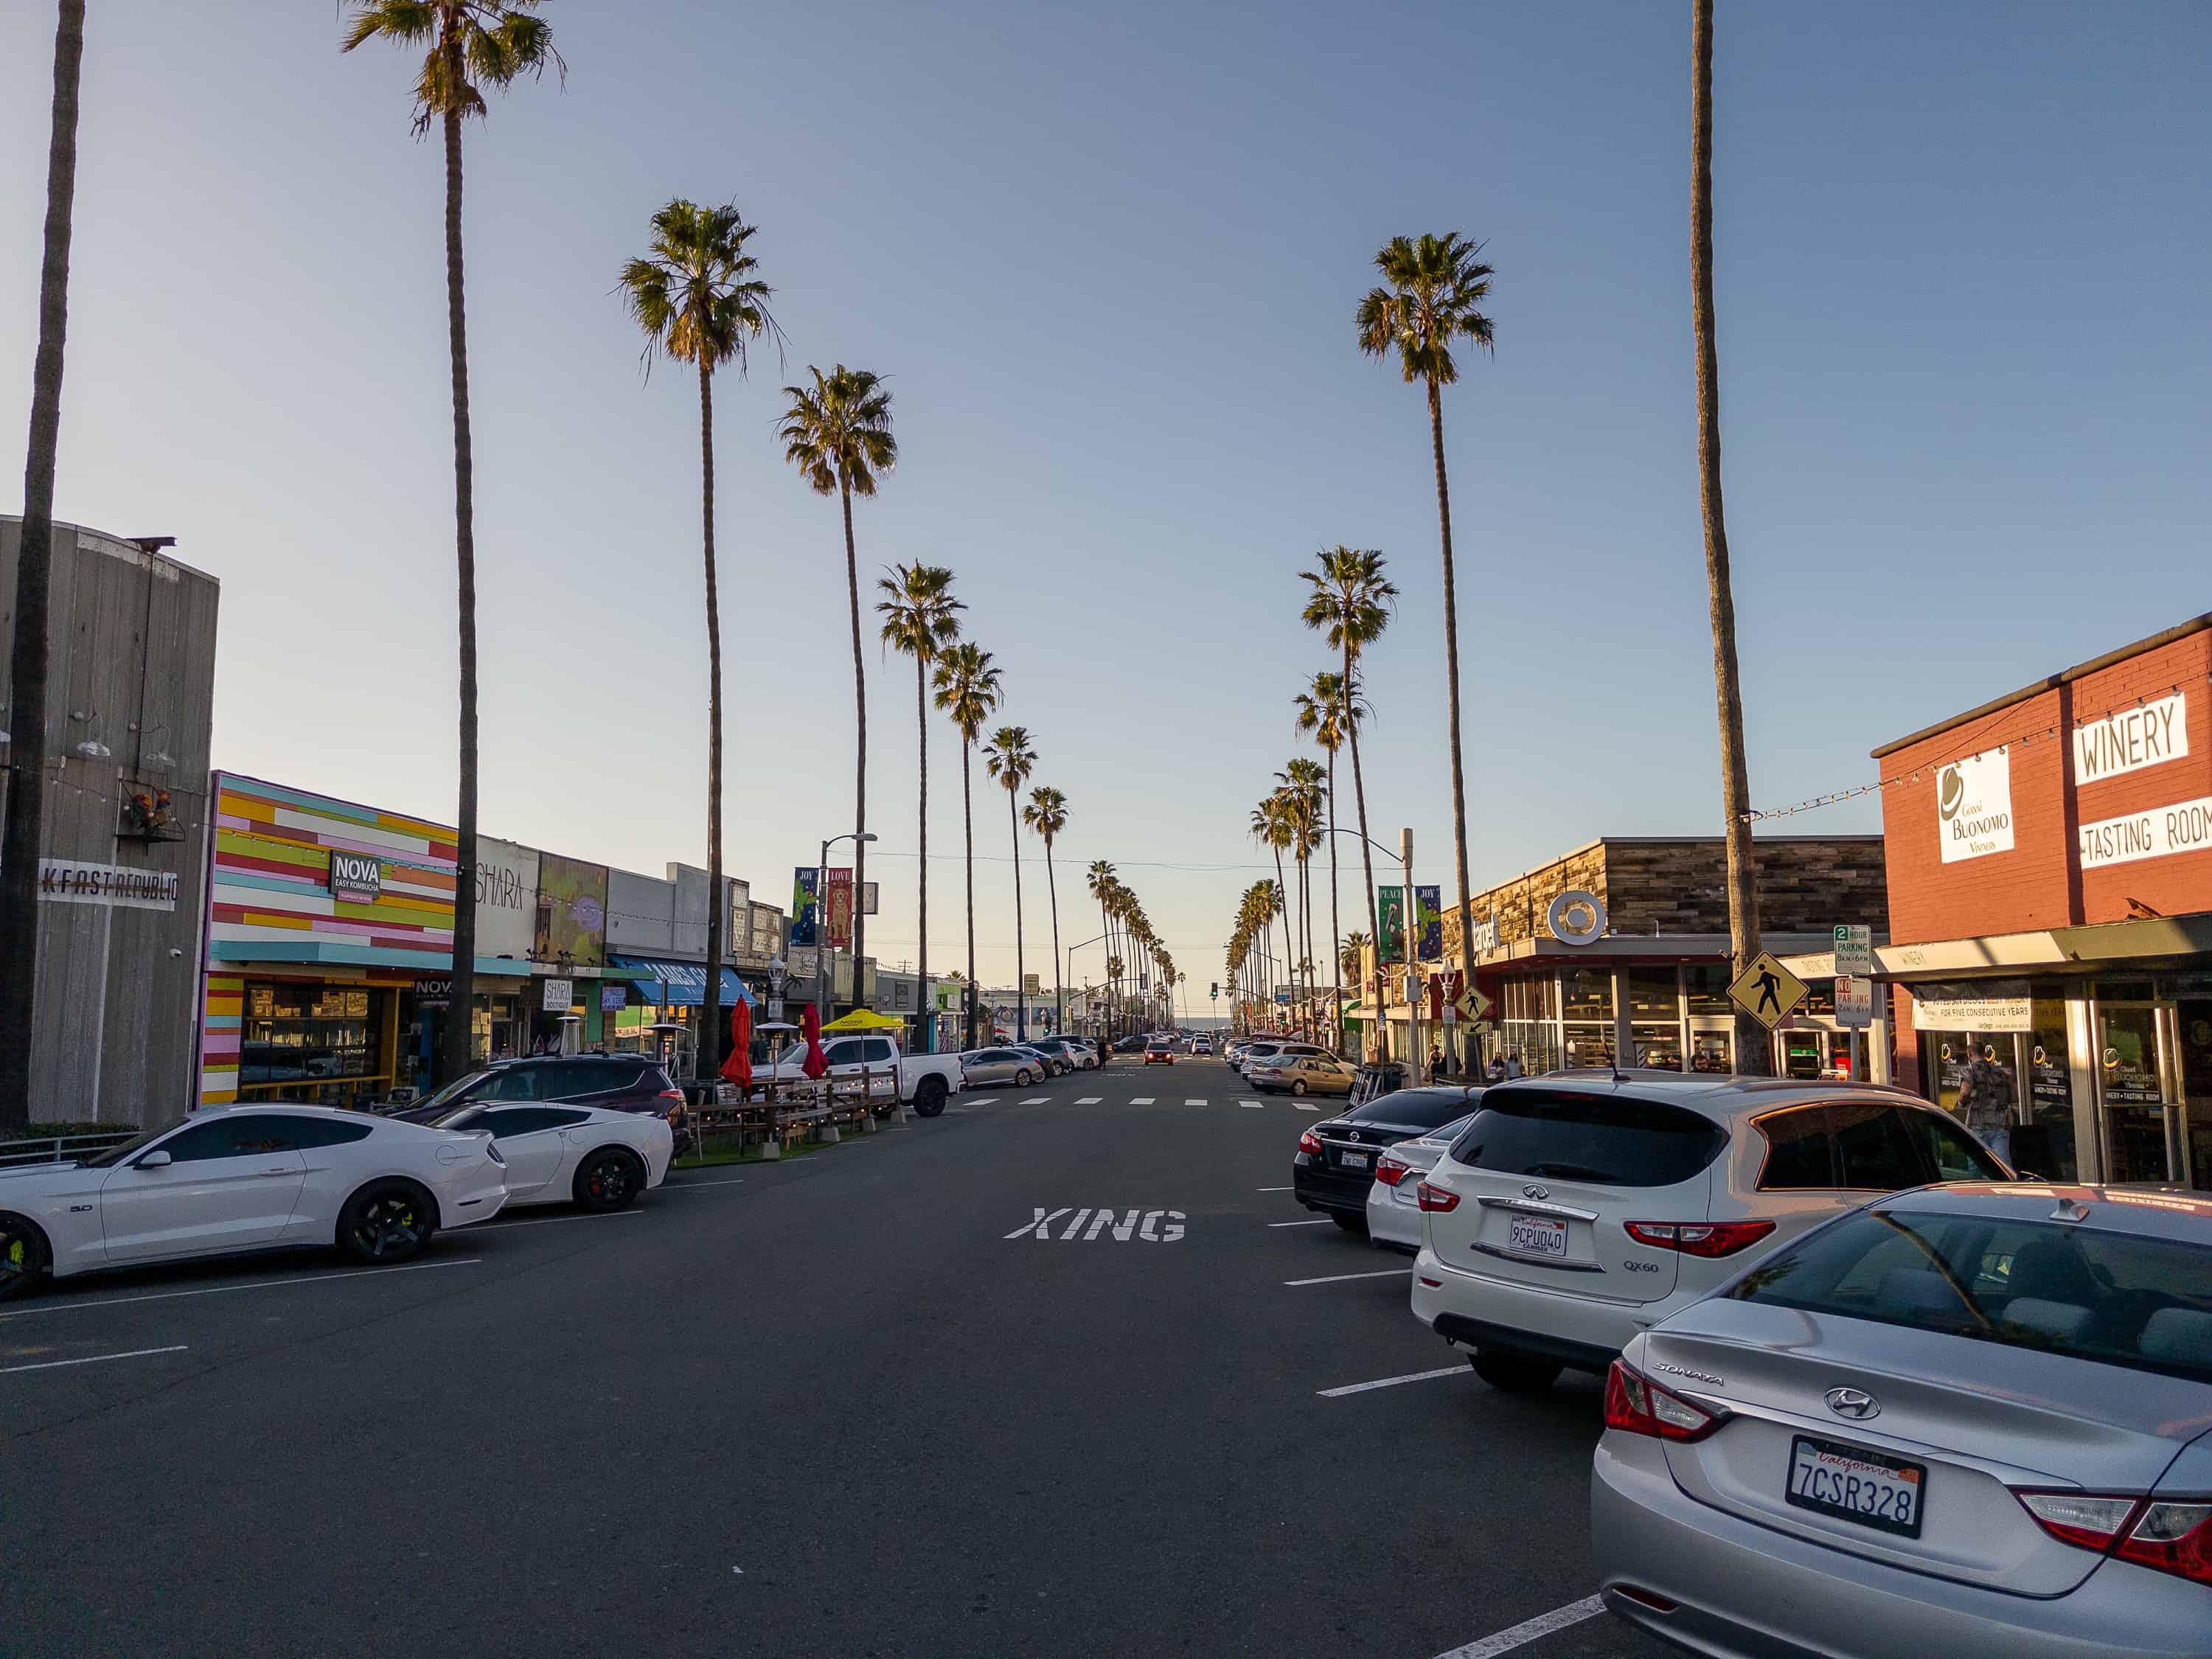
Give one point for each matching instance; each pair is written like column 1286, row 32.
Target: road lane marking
column 1308, row 1109
column 547, row 1221
column 1274, row 1189
column 221, row 1290
column 1188, row 1101
column 681, row 1186
column 1034, row 1100
column 1141, row 1100
column 1393, row 1381
column 1253, row 1105
column 92, row 1360
column 1528, row 1630
column 1319, row 1222
column 1339, row 1279
column 980, row 1100
column 1090, row 1100
column 1157, row 1226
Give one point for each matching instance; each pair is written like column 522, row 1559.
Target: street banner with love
column 838, row 905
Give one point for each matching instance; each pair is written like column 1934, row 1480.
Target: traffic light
column 1215, row 992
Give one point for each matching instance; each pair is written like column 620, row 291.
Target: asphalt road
column 850, row 1404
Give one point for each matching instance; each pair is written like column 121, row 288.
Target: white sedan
column 1394, row 1203
column 248, row 1178
column 592, row 1156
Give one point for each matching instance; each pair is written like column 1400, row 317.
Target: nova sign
column 356, row 878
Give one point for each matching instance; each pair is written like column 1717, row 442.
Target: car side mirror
column 156, row 1160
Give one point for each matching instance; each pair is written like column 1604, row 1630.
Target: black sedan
column 1335, row 1161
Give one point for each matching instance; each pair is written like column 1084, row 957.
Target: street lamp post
column 823, row 980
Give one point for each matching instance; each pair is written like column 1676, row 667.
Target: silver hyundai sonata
column 1972, row 1421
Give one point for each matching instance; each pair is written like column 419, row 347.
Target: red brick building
column 2050, row 861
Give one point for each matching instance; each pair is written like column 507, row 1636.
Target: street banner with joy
column 805, row 906
column 1428, row 911
column 838, row 909
column 1390, row 906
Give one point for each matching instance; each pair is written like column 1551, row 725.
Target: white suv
column 1577, row 1209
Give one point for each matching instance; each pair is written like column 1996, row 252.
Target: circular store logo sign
column 1576, row 917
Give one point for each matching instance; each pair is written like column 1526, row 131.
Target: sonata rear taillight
column 1434, row 1200
column 1390, row 1171
column 1702, row 1238
column 1636, row 1405
column 2165, row 1537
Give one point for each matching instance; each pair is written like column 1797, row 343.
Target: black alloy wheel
column 388, row 1223
column 22, row 1256
column 929, row 1096
column 609, row 1179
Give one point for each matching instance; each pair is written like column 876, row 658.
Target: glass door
column 2132, row 1083
column 2193, row 1024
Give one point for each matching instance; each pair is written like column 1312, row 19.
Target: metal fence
column 60, row 1149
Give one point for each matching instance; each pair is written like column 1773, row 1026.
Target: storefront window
column 1588, row 993
column 2046, row 1143
column 1712, row 1052
column 1589, row 1044
column 1707, row 985
column 2134, row 1096
column 320, row 1043
column 1658, row 1047
column 1801, row 1054
column 1653, row 995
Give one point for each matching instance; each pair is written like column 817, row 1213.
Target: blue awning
column 683, row 983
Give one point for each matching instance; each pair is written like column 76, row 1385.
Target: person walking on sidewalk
column 1985, row 1102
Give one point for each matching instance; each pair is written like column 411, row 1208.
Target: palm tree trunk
column 1366, row 857
column 1021, row 983
column 709, row 1048
column 1335, row 931
column 972, row 996
column 1753, row 1050
column 927, row 996
column 1059, row 988
column 1289, row 949
column 461, row 1007
column 27, row 669
column 860, row 762
column 1451, row 684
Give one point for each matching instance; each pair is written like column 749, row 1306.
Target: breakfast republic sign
column 1973, row 805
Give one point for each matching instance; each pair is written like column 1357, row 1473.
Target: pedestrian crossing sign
column 1767, row 991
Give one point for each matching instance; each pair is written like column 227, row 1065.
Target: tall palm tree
column 1302, row 783
column 1010, row 760
column 1432, row 298
column 1325, row 714
column 472, row 46
column 1047, row 814
column 967, row 689
column 1349, row 599
column 28, row 670
column 1753, row 1050
column 699, row 300
column 1099, row 879
column 920, row 619
column 1270, row 828
column 837, row 432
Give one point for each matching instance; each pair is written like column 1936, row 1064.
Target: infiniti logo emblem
column 1532, row 1190
column 1853, row 1402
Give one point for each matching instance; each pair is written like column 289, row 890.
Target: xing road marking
column 93, row 1359
column 1392, row 1382
column 1528, row 1630
column 224, row 1290
column 1157, row 1226
column 1321, row 1222
column 1339, row 1279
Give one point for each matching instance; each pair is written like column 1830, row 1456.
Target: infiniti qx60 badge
column 1533, row 1191
column 1853, row 1402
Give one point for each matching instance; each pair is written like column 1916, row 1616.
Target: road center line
column 224, row 1290
column 1309, row 1109
column 1339, row 1279
column 1090, row 1100
column 1274, row 1189
column 92, row 1360
column 1253, row 1105
column 1528, row 1630
column 1321, row 1221
column 1392, row 1382
column 1188, row 1101
column 1034, row 1100
column 1141, row 1100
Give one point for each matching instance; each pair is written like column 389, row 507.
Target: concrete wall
column 131, row 670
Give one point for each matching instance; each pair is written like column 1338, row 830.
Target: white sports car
column 247, row 1178
column 587, row 1155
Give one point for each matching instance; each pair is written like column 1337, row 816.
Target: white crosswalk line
column 1140, row 1100
column 1256, row 1105
column 1090, row 1100
column 1034, row 1100
column 1309, row 1108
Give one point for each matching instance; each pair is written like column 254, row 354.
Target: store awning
column 682, row 983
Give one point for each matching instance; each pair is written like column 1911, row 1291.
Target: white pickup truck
column 925, row 1081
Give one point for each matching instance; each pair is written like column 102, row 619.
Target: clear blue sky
column 1109, row 256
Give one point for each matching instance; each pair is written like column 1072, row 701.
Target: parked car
column 246, row 1178
column 585, row 1155
column 1968, row 1420
column 1065, row 1055
column 1082, row 1054
column 1394, row 1202
column 619, row 1083
column 1334, row 1163
column 1270, row 1050
column 1201, row 1045
column 1302, row 1074
column 1581, row 1208
column 923, row 1082
column 1158, row 1051
column 1048, row 1066
column 987, row 1068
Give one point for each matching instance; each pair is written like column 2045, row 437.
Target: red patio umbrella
column 739, row 1066
column 810, row 1026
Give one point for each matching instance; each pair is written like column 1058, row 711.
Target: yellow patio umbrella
column 864, row 1019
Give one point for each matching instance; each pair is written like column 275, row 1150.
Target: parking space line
column 1528, row 1630
column 1275, row 1189
column 680, row 1186
column 547, row 1221
column 221, row 1290
column 1393, row 1381
column 1339, row 1279
column 1320, row 1221
column 92, row 1360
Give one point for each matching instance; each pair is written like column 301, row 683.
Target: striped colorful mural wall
column 219, row 1026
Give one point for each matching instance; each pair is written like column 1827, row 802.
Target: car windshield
column 115, row 1155
column 2088, row 1292
column 451, row 1117
column 451, row 1092
column 1414, row 1108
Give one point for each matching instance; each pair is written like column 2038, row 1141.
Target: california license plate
column 1532, row 1235
column 1857, row 1485
column 1352, row 1160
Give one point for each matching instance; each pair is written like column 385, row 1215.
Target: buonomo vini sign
column 1973, row 805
